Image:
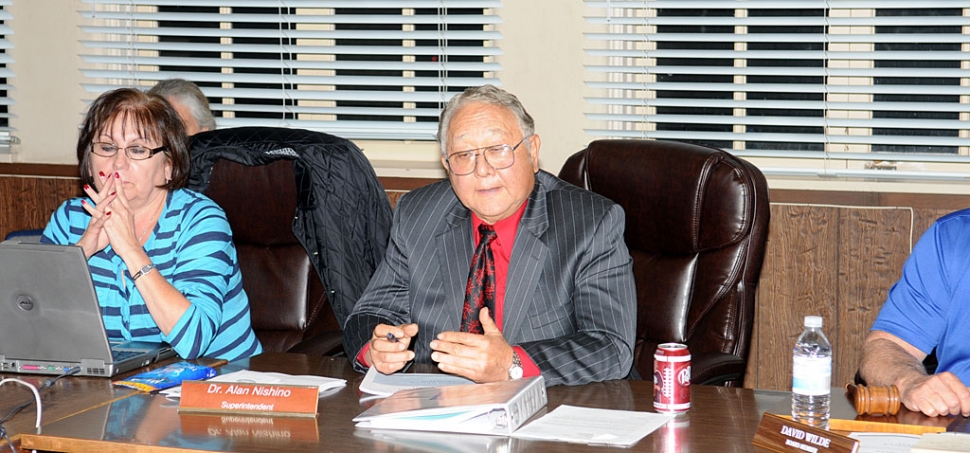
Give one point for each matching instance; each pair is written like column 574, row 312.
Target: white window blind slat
column 308, row 95
column 304, row 49
column 297, row 64
column 340, row 110
column 786, row 71
column 365, row 69
column 782, row 21
column 863, row 156
column 634, row 39
column 781, row 54
column 919, row 90
column 368, row 130
column 771, row 4
column 303, row 19
column 276, row 33
column 805, row 105
column 790, row 137
column 313, row 3
column 788, row 121
column 289, row 80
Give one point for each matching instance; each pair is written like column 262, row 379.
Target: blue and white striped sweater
column 191, row 246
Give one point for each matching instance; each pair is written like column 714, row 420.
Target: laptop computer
column 50, row 320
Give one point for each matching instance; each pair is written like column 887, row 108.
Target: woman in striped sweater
column 161, row 256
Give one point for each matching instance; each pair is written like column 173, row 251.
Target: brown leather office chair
column 696, row 227
column 310, row 222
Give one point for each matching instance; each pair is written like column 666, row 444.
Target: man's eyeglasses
column 105, row 149
column 499, row 157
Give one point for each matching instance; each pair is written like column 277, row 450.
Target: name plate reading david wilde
column 291, row 400
column 784, row 435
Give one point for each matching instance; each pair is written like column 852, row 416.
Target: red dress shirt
column 505, row 230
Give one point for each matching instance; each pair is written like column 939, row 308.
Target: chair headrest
column 678, row 197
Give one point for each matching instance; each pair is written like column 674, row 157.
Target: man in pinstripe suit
column 565, row 304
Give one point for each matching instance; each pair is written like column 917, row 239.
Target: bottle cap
column 813, row 321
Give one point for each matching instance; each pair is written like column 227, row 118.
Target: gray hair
column 487, row 94
column 189, row 95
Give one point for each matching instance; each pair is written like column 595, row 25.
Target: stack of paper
column 379, row 384
column 496, row 408
column 615, row 428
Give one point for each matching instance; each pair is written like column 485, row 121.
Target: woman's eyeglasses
column 105, row 149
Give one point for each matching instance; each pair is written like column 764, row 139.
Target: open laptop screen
column 50, row 319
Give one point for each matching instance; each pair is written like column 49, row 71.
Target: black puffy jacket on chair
column 294, row 197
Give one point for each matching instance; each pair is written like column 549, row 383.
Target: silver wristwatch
column 515, row 370
column 148, row 268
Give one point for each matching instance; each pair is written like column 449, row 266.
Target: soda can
column 671, row 378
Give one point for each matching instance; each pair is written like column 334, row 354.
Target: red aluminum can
column 671, row 378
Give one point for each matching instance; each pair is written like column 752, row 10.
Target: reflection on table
column 68, row 396
column 720, row 419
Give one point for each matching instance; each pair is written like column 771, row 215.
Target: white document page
column 377, row 383
column 948, row 442
column 614, row 428
column 325, row 384
column 885, row 442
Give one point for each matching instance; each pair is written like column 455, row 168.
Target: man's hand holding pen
column 388, row 350
column 478, row 357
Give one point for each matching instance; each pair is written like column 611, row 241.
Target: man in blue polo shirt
column 927, row 308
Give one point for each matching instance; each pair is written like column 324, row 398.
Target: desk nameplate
column 234, row 397
column 784, row 435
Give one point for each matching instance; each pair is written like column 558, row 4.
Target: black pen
column 391, row 338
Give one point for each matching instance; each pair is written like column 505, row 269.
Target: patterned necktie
column 480, row 290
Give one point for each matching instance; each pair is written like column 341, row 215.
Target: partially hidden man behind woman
column 161, row 256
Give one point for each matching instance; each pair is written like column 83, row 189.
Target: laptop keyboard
column 119, row 356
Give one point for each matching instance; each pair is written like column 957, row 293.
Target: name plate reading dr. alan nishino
column 269, row 399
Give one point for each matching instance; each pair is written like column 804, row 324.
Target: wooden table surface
column 720, row 419
column 68, row 396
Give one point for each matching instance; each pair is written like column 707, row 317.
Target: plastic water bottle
column 812, row 375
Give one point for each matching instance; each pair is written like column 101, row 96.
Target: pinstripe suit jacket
column 570, row 301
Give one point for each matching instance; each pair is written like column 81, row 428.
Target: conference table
column 91, row 415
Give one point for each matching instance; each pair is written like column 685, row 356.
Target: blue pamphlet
column 167, row 376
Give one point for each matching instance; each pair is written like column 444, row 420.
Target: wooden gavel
column 874, row 400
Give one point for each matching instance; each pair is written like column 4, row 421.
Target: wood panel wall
column 834, row 254
column 828, row 253
column 29, row 194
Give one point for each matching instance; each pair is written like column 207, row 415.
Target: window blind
column 362, row 69
column 855, row 88
column 6, row 137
